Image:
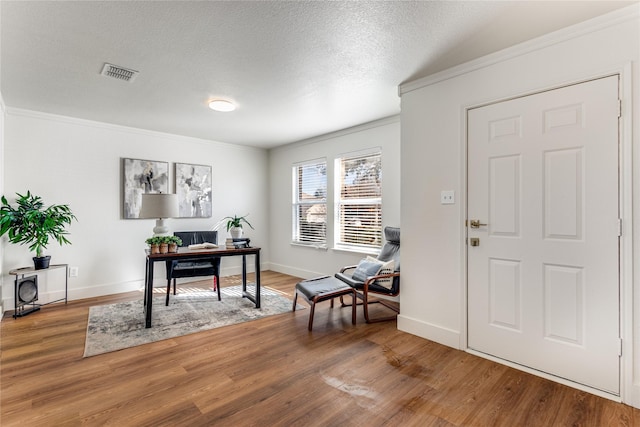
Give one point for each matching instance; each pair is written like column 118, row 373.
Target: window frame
column 297, row 235
column 340, row 201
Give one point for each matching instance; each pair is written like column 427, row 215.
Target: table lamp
column 159, row 206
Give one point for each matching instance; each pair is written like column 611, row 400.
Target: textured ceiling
column 296, row 69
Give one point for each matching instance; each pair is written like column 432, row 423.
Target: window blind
column 310, row 203
column 359, row 204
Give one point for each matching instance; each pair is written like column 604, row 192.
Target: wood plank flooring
column 272, row 372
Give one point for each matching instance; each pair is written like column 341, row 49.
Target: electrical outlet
column 73, row 271
column 447, row 198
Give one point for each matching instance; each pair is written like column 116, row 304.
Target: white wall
column 77, row 162
column 2, row 115
column 309, row 262
column 433, row 297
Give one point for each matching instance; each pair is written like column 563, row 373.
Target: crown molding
column 120, row 128
column 354, row 129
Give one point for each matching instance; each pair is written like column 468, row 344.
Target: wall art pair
column 192, row 184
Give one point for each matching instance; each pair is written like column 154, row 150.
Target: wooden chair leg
column 295, row 300
column 366, row 302
column 353, row 307
column 174, row 286
column 311, row 313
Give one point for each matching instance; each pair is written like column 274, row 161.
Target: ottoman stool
column 322, row 289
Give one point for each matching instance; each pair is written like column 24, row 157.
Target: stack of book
column 242, row 242
column 239, row 243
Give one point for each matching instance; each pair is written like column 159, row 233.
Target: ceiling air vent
column 118, row 72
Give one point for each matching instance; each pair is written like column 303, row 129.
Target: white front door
column 543, row 282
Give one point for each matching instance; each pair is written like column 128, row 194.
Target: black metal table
column 195, row 254
column 19, row 306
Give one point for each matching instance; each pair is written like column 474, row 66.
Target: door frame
column 628, row 393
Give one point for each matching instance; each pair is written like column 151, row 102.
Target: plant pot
column 164, row 248
column 155, row 249
column 173, row 248
column 41, row 262
column 236, row 232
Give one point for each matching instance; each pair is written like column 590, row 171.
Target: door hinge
column 620, row 347
column 619, row 108
column 619, row 227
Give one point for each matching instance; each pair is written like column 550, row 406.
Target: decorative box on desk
column 26, row 289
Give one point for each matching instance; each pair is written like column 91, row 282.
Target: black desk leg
column 146, row 276
column 244, row 274
column 148, row 290
column 257, row 279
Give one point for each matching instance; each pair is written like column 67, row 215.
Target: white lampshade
column 159, row 206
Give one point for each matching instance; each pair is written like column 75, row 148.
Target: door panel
column 543, row 183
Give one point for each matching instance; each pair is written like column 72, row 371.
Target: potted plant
column 154, row 244
column 234, row 225
column 174, row 242
column 29, row 222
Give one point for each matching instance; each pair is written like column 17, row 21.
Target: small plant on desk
column 154, row 244
column 173, row 242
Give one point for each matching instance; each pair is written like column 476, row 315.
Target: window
column 359, row 202
column 310, row 203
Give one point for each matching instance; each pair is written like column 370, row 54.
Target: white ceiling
column 296, row 69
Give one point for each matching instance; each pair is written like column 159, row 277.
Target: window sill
column 310, row 246
column 363, row 251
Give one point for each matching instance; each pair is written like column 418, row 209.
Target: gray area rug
column 117, row 326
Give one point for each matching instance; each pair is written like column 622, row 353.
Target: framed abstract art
column 193, row 187
column 142, row 177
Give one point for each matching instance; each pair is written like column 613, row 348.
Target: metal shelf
column 22, row 310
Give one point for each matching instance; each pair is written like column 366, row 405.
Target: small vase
column 173, row 247
column 155, row 249
column 164, row 248
column 236, row 232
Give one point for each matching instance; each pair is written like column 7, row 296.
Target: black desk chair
column 380, row 283
column 194, row 267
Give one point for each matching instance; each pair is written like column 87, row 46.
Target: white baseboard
column 297, row 272
column 429, row 331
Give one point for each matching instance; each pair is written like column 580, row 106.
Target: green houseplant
column 162, row 244
column 234, row 225
column 174, row 242
column 154, row 244
column 29, row 222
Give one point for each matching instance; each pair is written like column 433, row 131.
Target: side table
column 20, row 306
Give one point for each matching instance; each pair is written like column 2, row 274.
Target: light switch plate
column 447, row 197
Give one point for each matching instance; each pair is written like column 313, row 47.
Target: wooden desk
column 195, row 254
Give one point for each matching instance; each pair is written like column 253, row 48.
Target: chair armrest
column 349, row 267
column 372, row 279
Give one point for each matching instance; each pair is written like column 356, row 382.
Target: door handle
column 475, row 223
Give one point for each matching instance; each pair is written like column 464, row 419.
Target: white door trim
column 629, row 391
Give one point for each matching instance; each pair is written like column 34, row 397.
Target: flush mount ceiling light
column 221, row 105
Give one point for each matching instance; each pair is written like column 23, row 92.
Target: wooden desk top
column 187, row 253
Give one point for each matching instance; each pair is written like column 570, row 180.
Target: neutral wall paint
column 307, row 262
column 433, row 297
column 78, row 162
column 2, row 116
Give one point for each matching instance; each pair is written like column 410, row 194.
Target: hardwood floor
column 272, row 372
